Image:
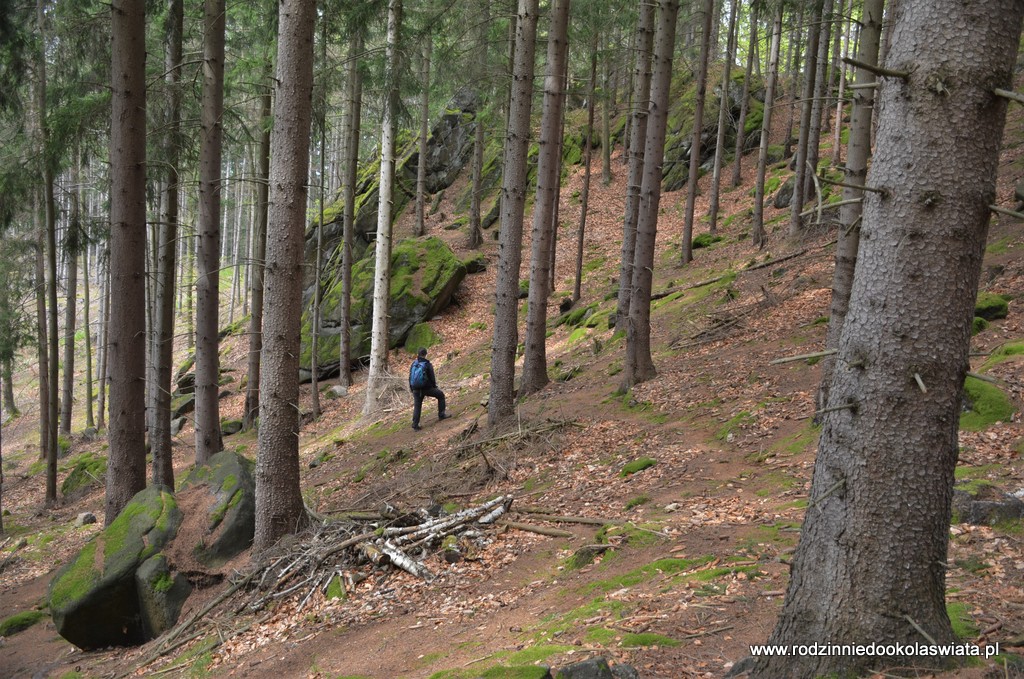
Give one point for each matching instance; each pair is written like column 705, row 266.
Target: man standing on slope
column 423, row 383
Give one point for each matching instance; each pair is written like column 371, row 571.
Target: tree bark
column 279, row 506
column 723, row 109
column 207, row 413
column 90, row 421
column 160, row 437
column 501, row 402
column 637, row 139
column 252, row 391
column 820, row 100
column 806, row 108
column 741, row 124
column 857, row 154
column 421, row 166
column 377, row 379
column 103, row 365
column 871, row 563
column 42, row 348
column 352, row 127
column 585, row 192
column 535, row 369
column 758, row 235
column 686, row 255
column 126, row 462
column 639, row 364
column 71, row 251
column 474, row 235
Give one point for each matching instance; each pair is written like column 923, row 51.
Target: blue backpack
column 418, row 375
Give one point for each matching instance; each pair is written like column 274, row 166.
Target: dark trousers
column 417, row 408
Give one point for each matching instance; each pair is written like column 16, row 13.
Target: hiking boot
column 443, row 416
column 416, row 427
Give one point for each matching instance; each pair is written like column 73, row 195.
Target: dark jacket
column 431, row 380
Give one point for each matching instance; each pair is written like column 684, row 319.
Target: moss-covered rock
column 990, row 306
column 420, row 337
column 230, row 505
column 984, row 405
column 424, row 275
column 94, row 597
column 162, row 593
column 88, row 471
column 979, row 325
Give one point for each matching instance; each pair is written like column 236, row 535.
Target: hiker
column 423, row 383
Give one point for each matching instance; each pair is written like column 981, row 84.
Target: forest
column 721, row 295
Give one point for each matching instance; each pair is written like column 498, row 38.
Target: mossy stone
column 162, row 593
column 979, row 325
column 88, row 471
column 230, row 507
column 637, row 466
column 985, row 404
column 93, row 597
column 421, row 336
column 990, row 306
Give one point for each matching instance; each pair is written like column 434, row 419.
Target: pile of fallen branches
column 337, row 549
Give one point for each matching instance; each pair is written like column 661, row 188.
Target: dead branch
column 539, row 530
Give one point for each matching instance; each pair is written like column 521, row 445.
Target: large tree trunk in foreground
column 126, row 462
column 637, row 137
column 501, row 403
column 871, row 563
column 208, row 440
column 639, row 363
column 535, row 368
column 279, row 506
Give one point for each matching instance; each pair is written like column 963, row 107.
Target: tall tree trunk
column 639, row 364
column 501, row 402
column 758, row 235
column 840, row 99
column 279, row 506
column 160, row 436
column 421, row 166
column 71, row 247
column 818, row 103
column 872, row 559
column 556, row 204
column 793, row 59
column 535, row 369
column 50, row 212
column 806, row 108
column 90, row 421
column 475, row 236
column 377, row 378
column 686, row 254
column 606, row 121
column 317, row 310
column 252, row 391
column 10, row 407
column 741, row 124
column 637, row 138
column 103, row 365
column 207, row 422
column 352, row 128
column 42, row 348
column 857, row 154
column 723, row 109
column 126, row 462
column 585, row 192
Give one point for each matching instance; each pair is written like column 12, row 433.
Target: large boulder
column 94, row 598
column 425, row 273
column 449, row 147
column 220, row 501
column 162, row 593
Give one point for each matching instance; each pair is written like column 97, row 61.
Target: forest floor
column 700, row 541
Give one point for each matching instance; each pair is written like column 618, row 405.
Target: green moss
column 979, row 325
column 19, row 622
column 737, row 421
column 647, row 639
column 1003, row 354
column 989, row 404
column 63, row 445
column 648, row 572
column 577, row 335
column 335, row 589
column 163, row 583
column 86, row 469
column 637, row 466
column 536, row 654
column 600, row 635
column 999, row 247
column 990, row 306
column 706, row 240
column 637, row 501
column 961, row 620
column 421, row 336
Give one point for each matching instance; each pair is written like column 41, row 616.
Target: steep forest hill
column 672, row 511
